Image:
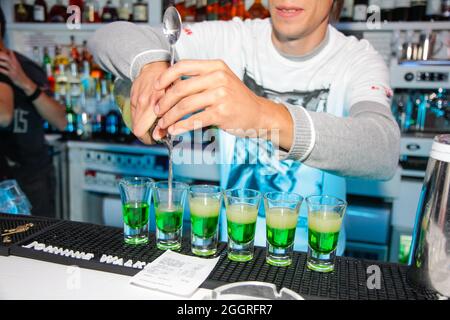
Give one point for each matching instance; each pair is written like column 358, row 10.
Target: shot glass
column 325, row 214
column 242, row 207
column 282, row 210
column 204, row 205
column 169, row 214
column 135, row 193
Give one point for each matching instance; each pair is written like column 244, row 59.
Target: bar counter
column 101, row 248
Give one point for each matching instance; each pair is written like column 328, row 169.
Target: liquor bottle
column 238, row 9
column 60, row 58
column 140, row 11
column 85, row 54
column 46, row 60
column 418, row 10
column 212, row 10
column 360, row 11
column 50, row 77
column 179, row 5
column 91, row 13
column 190, row 10
column 109, row 13
column 22, row 12
column 387, row 10
column 446, row 10
column 347, row 11
column 124, row 10
column 434, row 10
column 40, row 11
column 258, row 11
column 224, row 10
column 71, row 117
column 74, row 80
column 201, row 14
column 61, row 82
column 74, row 53
column 401, row 11
column 58, row 13
column 79, row 4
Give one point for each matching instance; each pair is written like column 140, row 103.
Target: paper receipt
column 175, row 273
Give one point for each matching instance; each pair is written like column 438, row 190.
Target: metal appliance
column 430, row 259
column 422, row 109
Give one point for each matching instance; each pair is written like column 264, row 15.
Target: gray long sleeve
column 123, row 48
column 364, row 144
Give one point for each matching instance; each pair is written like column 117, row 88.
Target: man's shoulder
column 32, row 69
column 353, row 48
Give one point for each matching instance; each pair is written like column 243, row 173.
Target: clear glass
column 12, row 199
column 169, row 214
column 325, row 214
column 135, row 193
column 204, row 205
column 282, row 210
column 242, row 207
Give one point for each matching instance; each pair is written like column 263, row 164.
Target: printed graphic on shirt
column 315, row 100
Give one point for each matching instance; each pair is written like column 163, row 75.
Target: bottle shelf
column 58, row 27
column 395, row 26
column 343, row 26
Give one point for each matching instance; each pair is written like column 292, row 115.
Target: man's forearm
column 365, row 144
column 124, row 48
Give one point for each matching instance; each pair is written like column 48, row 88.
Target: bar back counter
column 101, row 248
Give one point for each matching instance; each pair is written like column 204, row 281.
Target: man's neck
column 2, row 45
column 301, row 46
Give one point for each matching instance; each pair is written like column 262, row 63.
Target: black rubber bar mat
column 10, row 221
column 73, row 242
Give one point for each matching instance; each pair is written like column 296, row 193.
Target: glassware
column 135, row 193
column 282, row 210
column 325, row 214
column 169, row 214
column 242, row 207
column 204, row 205
column 12, row 199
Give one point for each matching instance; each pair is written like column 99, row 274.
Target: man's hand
column 214, row 95
column 11, row 67
column 143, row 98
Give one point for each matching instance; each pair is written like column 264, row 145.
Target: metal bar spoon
column 172, row 30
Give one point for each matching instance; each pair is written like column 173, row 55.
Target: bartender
column 319, row 97
column 24, row 154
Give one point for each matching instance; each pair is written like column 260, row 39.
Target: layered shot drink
column 135, row 193
column 204, row 205
column 282, row 210
column 242, row 207
column 169, row 210
column 325, row 216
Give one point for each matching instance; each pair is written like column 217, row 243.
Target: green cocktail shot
column 323, row 231
column 204, row 223
column 323, row 235
column 135, row 218
column 204, row 216
column 241, row 226
column 281, row 225
column 168, row 220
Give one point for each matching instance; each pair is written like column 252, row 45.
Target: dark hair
column 2, row 24
column 336, row 10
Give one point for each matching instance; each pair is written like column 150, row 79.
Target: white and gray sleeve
column 365, row 144
column 123, row 48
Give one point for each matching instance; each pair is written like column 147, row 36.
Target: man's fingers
column 4, row 71
column 146, row 138
column 196, row 121
column 185, row 88
column 188, row 68
column 191, row 104
column 159, row 133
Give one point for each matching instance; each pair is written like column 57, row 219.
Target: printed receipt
column 175, row 273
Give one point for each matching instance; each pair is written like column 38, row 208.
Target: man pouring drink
column 291, row 83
